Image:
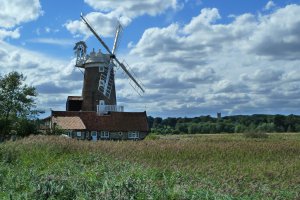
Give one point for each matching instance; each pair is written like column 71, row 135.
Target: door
column 94, row 135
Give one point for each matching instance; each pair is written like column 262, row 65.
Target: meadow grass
column 223, row 166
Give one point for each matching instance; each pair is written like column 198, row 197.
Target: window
column 78, row 134
column 104, row 134
column 133, row 135
column 94, row 133
column 69, row 133
column 101, row 68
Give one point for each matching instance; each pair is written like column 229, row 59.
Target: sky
column 194, row 57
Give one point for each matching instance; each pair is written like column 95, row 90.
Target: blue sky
column 194, row 57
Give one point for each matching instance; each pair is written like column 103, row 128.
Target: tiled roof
column 69, row 123
column 115, row 121
column 75, row 98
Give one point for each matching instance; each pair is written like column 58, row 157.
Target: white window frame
column 78, row 133
column 104, row 134
column 133, row 135
column 101, row 68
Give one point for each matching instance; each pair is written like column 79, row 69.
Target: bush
column 255, row 134
column 26, row 127
column 266, row 127
column 152, row 136
column 57, row 131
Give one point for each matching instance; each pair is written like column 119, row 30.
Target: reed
column 206, row 167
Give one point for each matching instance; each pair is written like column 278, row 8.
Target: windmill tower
column 99, row 74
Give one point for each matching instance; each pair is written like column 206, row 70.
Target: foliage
column 152, row 136
column 57, row 131
column 189, row 167
column 228, row 124
column 256, row 134
column 16, row 105
column 16, row 98
column 26, row 127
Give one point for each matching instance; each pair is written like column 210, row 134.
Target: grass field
column 171, row 167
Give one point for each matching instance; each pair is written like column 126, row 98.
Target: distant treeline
column 228, row 124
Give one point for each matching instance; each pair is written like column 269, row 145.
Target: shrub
column 57, row 131
column 255, row 134
column 152, row 136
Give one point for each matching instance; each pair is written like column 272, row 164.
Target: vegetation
column 228, row 124
column 222, row 166
column 16, row 106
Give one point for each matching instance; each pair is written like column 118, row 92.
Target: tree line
column 227, row 124
column 19, row 116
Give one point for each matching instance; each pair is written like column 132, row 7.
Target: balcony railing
column 104, row 109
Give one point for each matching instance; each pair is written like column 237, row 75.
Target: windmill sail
column 95, row 34
column 104, row 83
column 107, row 80
column 117, row 37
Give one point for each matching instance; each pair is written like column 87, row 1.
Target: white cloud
column 133, row 9
column 263, row 75
column 206, row 17
column 237, row 67
column 277, row 34
column 9, row 34
column 110, row 12
column 53, row 41
column 41, row 71
column 19, row 11
column 15, row 12
column 269, row 5
column 104, row 24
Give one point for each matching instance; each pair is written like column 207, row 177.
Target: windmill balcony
column 104, row 109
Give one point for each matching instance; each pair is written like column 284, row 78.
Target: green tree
column 182, row 127
column 16, row 100
column 157, row 122
column 279, row 123
column 150, row 121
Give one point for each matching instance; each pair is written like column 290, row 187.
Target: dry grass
column 224, row 164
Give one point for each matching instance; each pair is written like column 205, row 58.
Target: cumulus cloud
column 110, row 12
column 104, row 24
column 133, row 9
column 243, row 65
column 50, row 76
column 269, row 5
column 263, row 75
column 206, row 17
column 19, row 11
column 247, row 65
column 277, row 34
column 53, row 41
column 13, row 13
column 14, row 34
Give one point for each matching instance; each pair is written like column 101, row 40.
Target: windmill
column 99, row 73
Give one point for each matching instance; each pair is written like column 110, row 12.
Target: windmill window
column 101, row 68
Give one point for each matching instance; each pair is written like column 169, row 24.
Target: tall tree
column 16, row 98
